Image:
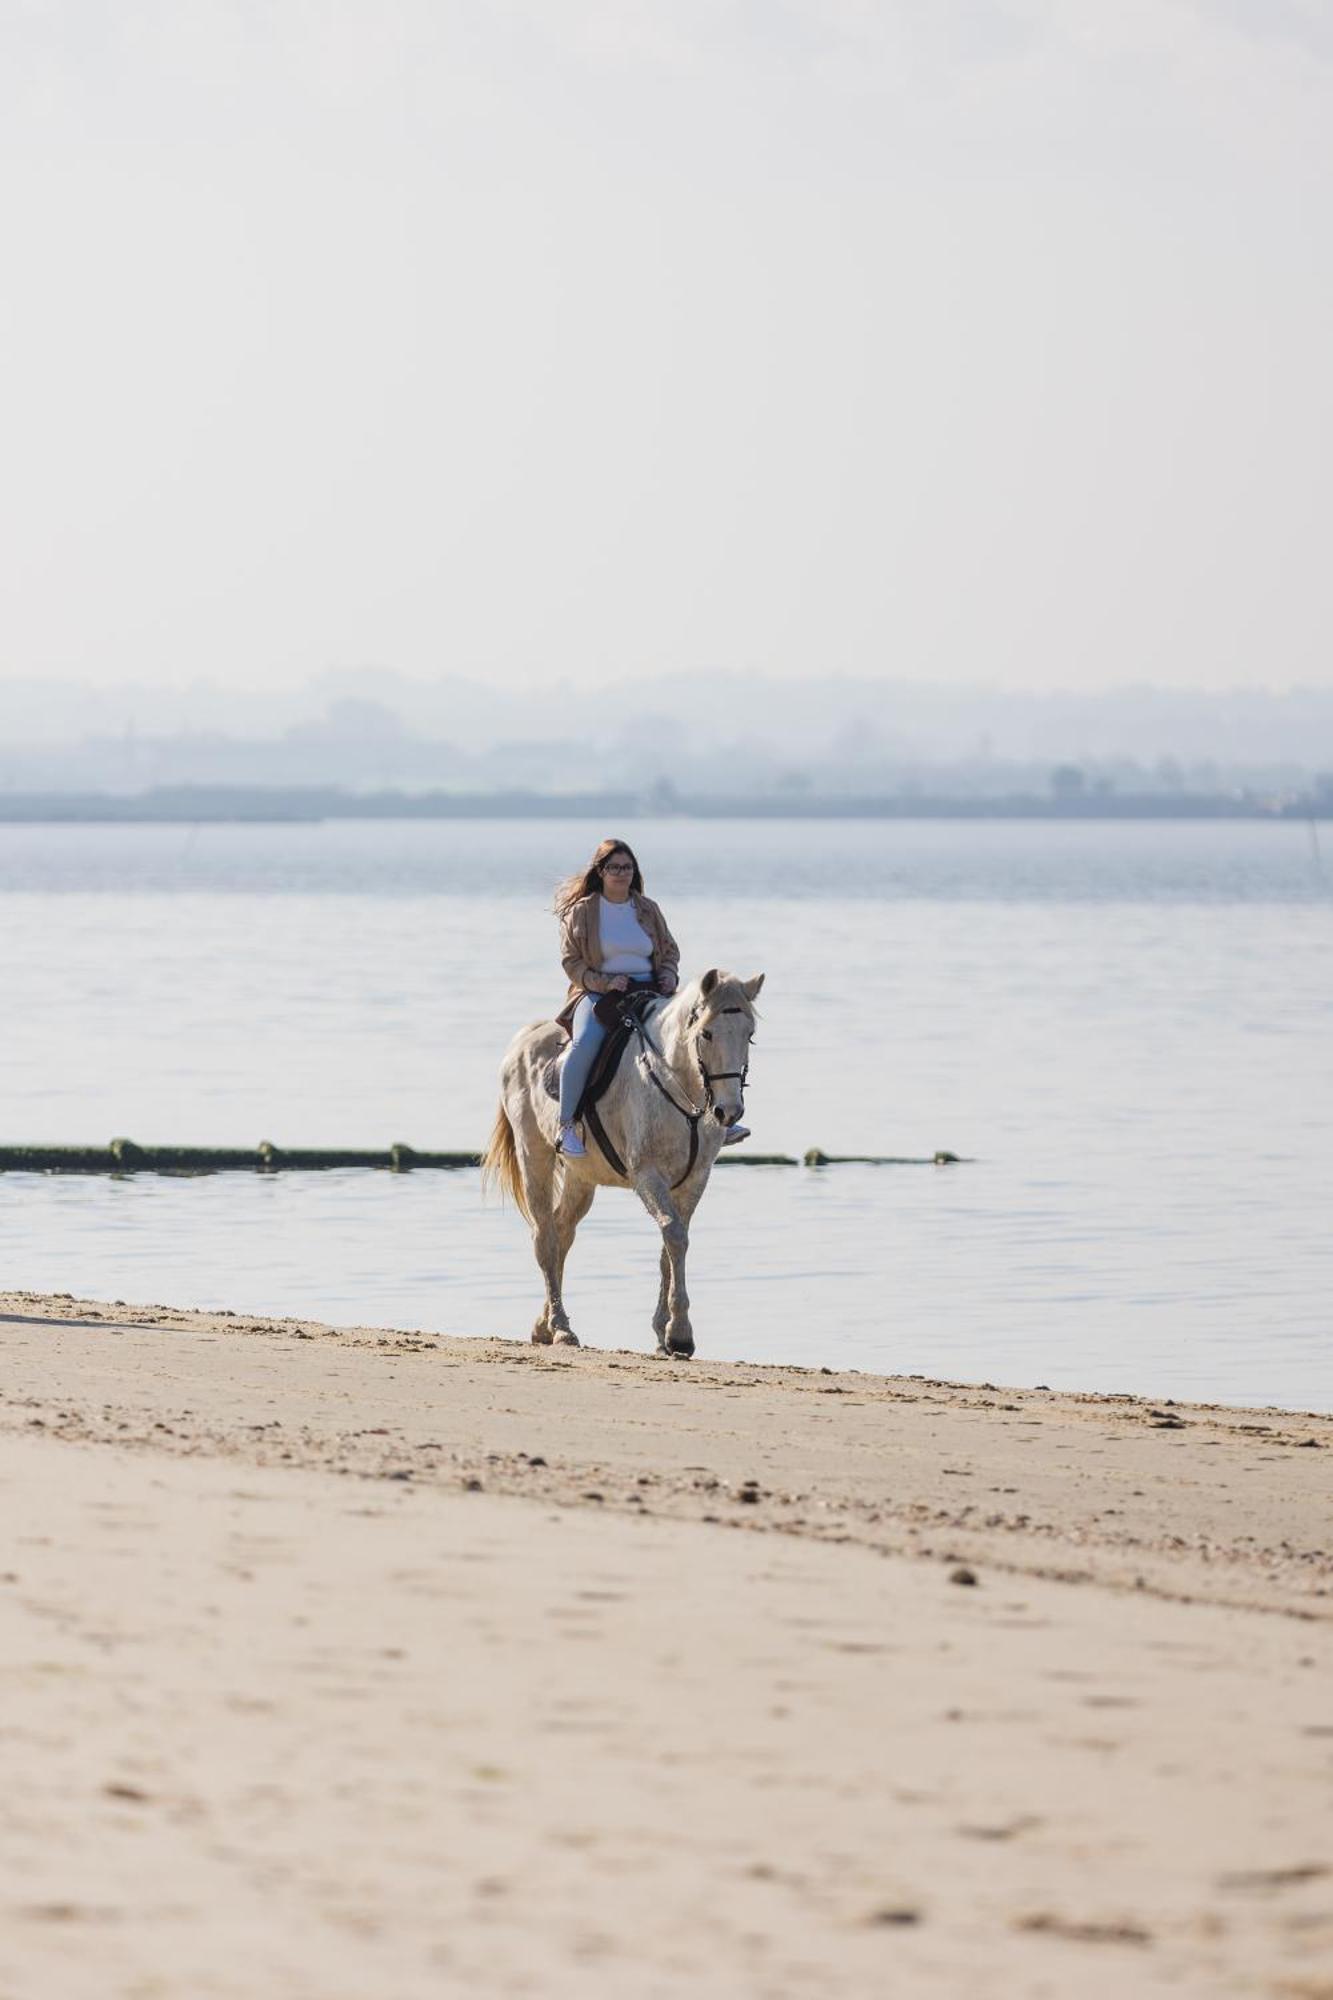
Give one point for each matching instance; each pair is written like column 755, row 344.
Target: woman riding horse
column 613, row 939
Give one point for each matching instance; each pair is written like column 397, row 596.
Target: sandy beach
column 345, row 1662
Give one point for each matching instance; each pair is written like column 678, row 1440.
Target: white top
column 626, row 945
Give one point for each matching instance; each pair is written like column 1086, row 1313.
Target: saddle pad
column 605, row 1064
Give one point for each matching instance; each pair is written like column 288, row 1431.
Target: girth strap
column 599, row 1133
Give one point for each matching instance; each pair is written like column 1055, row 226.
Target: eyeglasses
column 617, row 868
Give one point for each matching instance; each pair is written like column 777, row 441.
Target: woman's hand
column 620, row 984
column 666, row 982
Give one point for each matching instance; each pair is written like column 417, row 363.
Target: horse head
column 720, row 1028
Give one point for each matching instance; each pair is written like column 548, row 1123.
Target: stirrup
column 734, row 1134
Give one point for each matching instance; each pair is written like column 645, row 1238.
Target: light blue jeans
column 588, row 1036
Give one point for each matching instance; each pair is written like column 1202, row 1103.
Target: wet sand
column 345, row 1662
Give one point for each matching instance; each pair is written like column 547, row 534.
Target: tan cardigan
column 581, row 948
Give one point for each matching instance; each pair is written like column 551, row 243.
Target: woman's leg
column 589, row 1034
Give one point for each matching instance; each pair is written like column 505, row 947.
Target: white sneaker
column 571, row 1143
column 734, row 1134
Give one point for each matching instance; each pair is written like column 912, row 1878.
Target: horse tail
column 499, row 1164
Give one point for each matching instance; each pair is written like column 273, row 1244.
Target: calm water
column 1128, row 1026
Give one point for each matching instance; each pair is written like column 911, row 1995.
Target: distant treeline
column 307, row 805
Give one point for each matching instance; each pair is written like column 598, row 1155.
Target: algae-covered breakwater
column 125, row 1156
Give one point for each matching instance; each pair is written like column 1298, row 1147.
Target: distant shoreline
column 195, row 804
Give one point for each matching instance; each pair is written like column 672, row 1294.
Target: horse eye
column 707, row 1035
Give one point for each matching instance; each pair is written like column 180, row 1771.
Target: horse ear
column 750, row 987
column 709, row 981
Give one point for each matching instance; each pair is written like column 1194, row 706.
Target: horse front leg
column 663, row 1305
column 671, row 1321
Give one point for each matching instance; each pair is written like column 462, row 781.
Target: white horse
column 677, row 1089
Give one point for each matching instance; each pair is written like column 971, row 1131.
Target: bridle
column 712, row 1076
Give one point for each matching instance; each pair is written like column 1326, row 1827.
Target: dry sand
column 351, row 1664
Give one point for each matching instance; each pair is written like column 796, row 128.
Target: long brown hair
column 588, row 881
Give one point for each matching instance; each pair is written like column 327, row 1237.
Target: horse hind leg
column 572, row 1204
column 553, row 1227
column 536, row 1172
column 552, row 1322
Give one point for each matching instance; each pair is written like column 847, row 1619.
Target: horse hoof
column 542, row 1336
column 567, row 1339
column 685, row 1349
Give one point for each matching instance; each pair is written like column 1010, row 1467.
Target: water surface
column 1126, row 1025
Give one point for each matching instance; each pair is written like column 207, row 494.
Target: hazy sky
column 932, row 338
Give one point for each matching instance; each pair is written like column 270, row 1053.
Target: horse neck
column 672, row 1039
